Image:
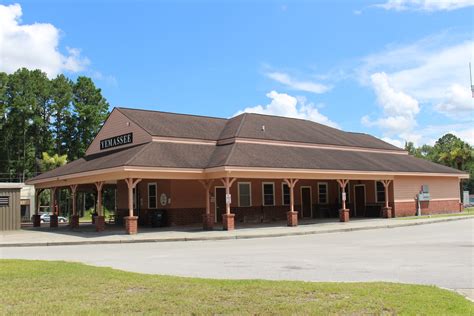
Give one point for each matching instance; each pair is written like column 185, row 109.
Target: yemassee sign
column 116, row 141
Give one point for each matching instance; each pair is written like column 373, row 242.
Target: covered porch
column 223, row 198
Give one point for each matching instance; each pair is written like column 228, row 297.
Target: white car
column 45, row 218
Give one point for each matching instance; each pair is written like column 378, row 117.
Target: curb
column 230, row 237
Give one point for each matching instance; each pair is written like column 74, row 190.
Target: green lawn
column 87, row 218
column 52, row 287
column 467, row 212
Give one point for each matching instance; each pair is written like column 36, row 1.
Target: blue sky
column 397, row 69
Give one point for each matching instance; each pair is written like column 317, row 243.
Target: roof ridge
column 297, row 119
column 174, row 113
column 244, row 116
column 230, row 153
column 138, row 152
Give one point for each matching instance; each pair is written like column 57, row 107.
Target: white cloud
column 394, row 142
column 393, row 102
column 34, row 46
column 283, row 104
column 430, row 75
column 425, row 5
column 458, row 103
column 465, row 134
column 399, row 108
column 431, row 133
column 292, row 83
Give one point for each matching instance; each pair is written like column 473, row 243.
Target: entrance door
column 136, row 201
column 359, row 200
column 220, row 203
column 306, row 201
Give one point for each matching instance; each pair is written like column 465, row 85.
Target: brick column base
column 53, row 221
column 74, row 221
column 99, row 223
column 208, row 221
column 461, row 207
column 228, row 221
column 344, row 215
column 131, row 224
column 36, row 220
column 386, row 212
column 292, row 218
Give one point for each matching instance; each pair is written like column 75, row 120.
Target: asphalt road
column 441, row 254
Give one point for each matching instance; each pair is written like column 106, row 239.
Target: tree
column 62, row 100
column 91, row 110
column 50, row 162
column 38, row 114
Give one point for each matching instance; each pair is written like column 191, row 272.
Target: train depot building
column 251, row 168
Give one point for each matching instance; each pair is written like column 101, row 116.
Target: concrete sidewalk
column 85, row 235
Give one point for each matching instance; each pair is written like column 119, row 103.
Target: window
column 348, row 195
column 285, row 189
column 245, row 195
column 379, row 192
column 268, row 193
column 323, row 193
column 152, row 195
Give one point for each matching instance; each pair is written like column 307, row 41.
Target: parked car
column 45, row 218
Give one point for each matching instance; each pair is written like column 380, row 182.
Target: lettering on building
column 116, row 141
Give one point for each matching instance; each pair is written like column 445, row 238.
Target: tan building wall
column 444, row 195
column 406, row 188
column 10, row 216
column 118, row 124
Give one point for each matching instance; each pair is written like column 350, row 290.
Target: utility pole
column 470, row 77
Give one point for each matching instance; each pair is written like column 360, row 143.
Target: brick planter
column 36, row 220
column 344, row 215
column 208, row 221
column 99, row 223
column 53, row 221
column 131, row 225
column 228, row 221
column 292, row 218
column 386, row 212
column 74, row 222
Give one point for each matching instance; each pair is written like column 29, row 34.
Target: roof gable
column 115, row 125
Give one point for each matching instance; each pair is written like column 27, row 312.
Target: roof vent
column 263, row 128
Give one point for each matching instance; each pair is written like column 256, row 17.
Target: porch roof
column 207, row 158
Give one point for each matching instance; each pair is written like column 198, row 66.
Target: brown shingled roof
column 176, row 125
column 269, row 156
column 202, row 156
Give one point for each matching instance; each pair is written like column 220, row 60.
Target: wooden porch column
column 228, row 219
column 36, row 218
column 291, row 215
column 343, row 212
column 131, row 222
column 53, row 218
column 208, row 218
column 74, row 223
column 99, row 220
column 386, row 210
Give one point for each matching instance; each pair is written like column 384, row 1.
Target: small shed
column 10, row 214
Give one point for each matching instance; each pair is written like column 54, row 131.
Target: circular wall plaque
column 163, row 199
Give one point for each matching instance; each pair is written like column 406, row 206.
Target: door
column 306, row 201
column 136, row 201
column 359, row 200
column 220, row 203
